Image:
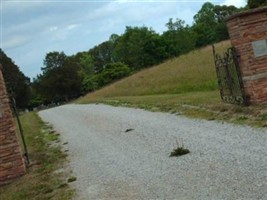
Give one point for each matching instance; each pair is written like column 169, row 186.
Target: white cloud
column 72, row 26
column 53, row 28
column 14, row 41
column 236, row 3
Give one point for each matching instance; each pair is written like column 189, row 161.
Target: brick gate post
column 12, row 164
column 248, row 34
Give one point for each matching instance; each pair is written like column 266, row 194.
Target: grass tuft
column 72, row 179
column 179, row 150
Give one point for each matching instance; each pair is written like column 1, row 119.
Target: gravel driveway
column 226, row 161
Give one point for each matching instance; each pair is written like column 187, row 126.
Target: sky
column 32, row 28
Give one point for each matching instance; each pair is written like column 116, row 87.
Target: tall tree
column 222, row 12
column 209, row 23
column 134, row 48
column 179, row 38
column 53, row 60
column 102, row 54
column 205, row 25
column 87, row 72
column 60, row 80
column 18, row 85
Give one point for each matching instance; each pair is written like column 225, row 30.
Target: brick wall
column 245, row 29
column 11, row 161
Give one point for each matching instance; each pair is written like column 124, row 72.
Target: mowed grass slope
column 185, row 85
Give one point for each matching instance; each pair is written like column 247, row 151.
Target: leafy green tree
column 210, row 25
column 18, row 85
column 205, row 25
column 87, row 73
column 111, row 73
column 134, row 48
column 102, row 54
column 256, row 3
column 37, row 98
column 179, row 38
column 69, row 82
column 60, row 80
column 156, row 49
column 222, row 12
column 113, row 39
column 53, row 60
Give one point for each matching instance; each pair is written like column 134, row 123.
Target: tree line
column 66, row 77
column 17, row 84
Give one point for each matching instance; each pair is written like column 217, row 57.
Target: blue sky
column 32, row 28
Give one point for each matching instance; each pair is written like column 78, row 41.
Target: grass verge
column 203, row 105
column 45, row 178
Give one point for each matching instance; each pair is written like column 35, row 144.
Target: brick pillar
column 248, row 34
column 11, row 161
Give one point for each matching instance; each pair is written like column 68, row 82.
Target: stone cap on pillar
column 248, row 12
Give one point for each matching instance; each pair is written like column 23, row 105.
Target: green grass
column 42, row 180
column 204, row 105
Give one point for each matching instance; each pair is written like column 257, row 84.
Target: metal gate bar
column 13, row 104
column 229, row 77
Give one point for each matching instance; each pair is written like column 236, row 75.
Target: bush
column 111, row 73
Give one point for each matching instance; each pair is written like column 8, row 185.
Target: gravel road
column 226, row 161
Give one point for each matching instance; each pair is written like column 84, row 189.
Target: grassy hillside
column 186, row 84
column 191, row 72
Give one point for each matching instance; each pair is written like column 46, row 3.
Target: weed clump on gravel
column 179, row 150
column 72, row 179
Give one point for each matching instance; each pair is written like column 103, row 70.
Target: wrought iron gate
column 229, row 77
